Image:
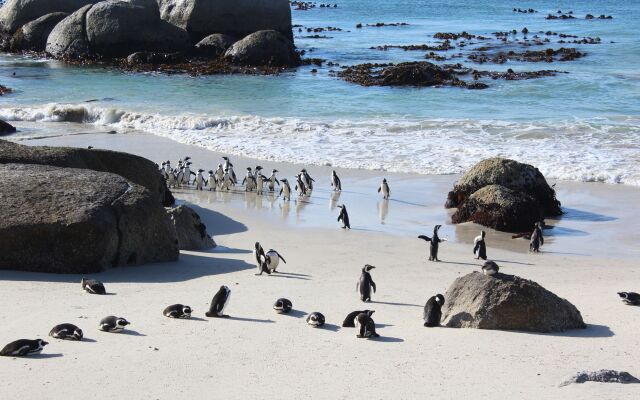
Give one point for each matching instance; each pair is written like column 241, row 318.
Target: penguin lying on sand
column 490, row 268
column 178, row 311
column 350, row 319
column 92, row 286
column 630, row 298
column 66, row 332
column 283, row 306
column 23, row 347
column 315, row 319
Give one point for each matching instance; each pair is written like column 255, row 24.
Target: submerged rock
column 147, row 57
column 191, row 232
column 507, row 302
column 603, row 376
column 418, row 73
column 215, row 45
column 6, row 128
column 16, row 13
column 264, row 48
column 33, row 35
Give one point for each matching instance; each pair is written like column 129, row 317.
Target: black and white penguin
column 200, row 181
column 350, row 319
column 630, row 298
column 366, row 284
column 260, row 180
column 435, row 242
column 171, row 179
column 272, row 259
column 229, row 167
column 300, row 186
column 66, row 332
column 187, row 174
column 335, row 182
column 219, row 303
column 113, row 324
column 479, row 246
column 283, row 306
column 219, row 175
column 384, row 188
column 23, row 347
column 537, row 239
column 212, row 181
column 177, row 311
column 433, row 311
column 344, row 217
column 92, row 286
column 490, row 268
column 163, row 171
column 315, row 319
column 180, row 176
column 273, row 181
column 285, row 189
column 249, row 181
column 258, row 252
column 367, row 326
column 307, row 179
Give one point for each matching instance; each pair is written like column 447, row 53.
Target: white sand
column 259, row 354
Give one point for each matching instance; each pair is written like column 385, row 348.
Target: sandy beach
column 590, row 255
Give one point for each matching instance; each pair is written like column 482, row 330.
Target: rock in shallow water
column 33, row 35
column 264, row 48
column 16, row 13
column 6, row 128
column 215, row 45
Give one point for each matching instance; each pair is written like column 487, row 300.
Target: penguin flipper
column 373, row 286
column 423, row 237
column 282, row 258
column 380, row 188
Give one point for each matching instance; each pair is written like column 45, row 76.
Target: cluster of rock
column 244, row 32
column 503, row 194
column 602, row 376
column 69, row 210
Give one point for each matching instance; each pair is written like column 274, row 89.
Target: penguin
column 350, row 319
column 335, row 182
column 490, row 268
column 537, row 239
column 177, row 311
column 113, row 324
column 630, row 298
column 219, row 302
column 180, row 176
column 66, row 332
column 171, row 179
column 285, row 189
column 92, row 286
column 307, row 179
column 366, row 283
column 433, row 311
column 272, row 259
column 167, row 167
column 200, row 181
column 384, row 187
column 219, row 175
column 260, row 181
column 261, row 259
column 435, row 241
column 227, row 180
column 282, row 306
column 229, row 166
column 249, row 181
column 187, row 174
column 212, row 182
column 300, row 186
column 257, row 170
column 23, row 347
column 273, row 180
column 479, row 246
column 315, row 319
column 163, row 171
column 367, row 326
column 344, row 217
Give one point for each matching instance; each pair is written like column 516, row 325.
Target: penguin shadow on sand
column 43, row 356
column 296, row 314
column 131, row 332
column 247, row 319
column 389, row 303
column 330, row 327
column 290, row 275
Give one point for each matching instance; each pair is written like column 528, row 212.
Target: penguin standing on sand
column 228, row 166
column 200, row 181
column 283, row 306
column 344, row 217
column 479, row 246
column 219, row 175
column 177, row 311
column 66, row 332
column 23, row 347
column 490, row 268
column 219, row 302
column 273, row 180
column 187, row 174
column 167, row 167
column 300, row 186
column 260, row 181
column 180, row 176
column 171, row 179
column 366, row 284
column 350, row 319
column 249, row 181
column 315, row 319
column 335, row 182
column 630, row 298
column 285, row 189
column 227, row 180
column 113, row 324
column 435, row 242
column 261, row 259
column 367, row 326
column 384, row 188
column 163, row 171
column 92, row 286
column 307, row 179
column 212, row 181
column 272, row 259
column 537, row 239
column 433, row 311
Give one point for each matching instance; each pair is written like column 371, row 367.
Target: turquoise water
column 584, row 125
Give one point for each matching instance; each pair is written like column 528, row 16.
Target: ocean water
column 583, row 125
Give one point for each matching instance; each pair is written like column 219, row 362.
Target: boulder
column 233, row 17
column 215, row 45
column 33, row 35
column 68, row 220
column 147, row 57
column 263, row 48
column 602, row 376
column 192, row 233
column 508, row 173
column 68, row 38
column 500, row 208
column 507, row 302
column 6, row 128
column 16, row 13
column 136, row 169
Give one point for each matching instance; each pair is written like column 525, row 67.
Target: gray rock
column 215, row 45
column 68, row 38
column 500, row 208
column 6, row 128
column 233, row 17
column 67, row 220
column 192, row 233
column 33, row 35
column 263, row 48
column 603, row 375
column 147, row 57
column 507, row 302
column 16, row 13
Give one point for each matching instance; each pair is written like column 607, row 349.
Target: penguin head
column 384, row 180
column 225, row 158
column 436, row 228
column 122, row 322
column 187, row 158
column 440, row 299
column 189, row 163
column 483, row 233
column 42, row 343
column 284, row 180
column 210, row 172
column 369, row 312
column 219, row 165
column 201, row 170
column 368, row 268
column 186, row 310
column 258, row 168
column 274, row 171
column 77, row 334
column 226, row 289
column 248, row 168
column 83, row 282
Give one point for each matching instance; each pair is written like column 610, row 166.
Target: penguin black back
column 23, row 347
column 367, row 326
column 219, row 303
column 349, row 320
column 433, row 311
column 344, row 217
column 366, row 283
column 66, row 332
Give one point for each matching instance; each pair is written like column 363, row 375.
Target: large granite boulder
column 68, row 220
column 192, row 233
column 136, row 169
column 510, row 174
column 16, row 13
column 6, row 128
column 507, row 302
column 500, row 208
column 115, row 28
column 215, row 45
column 233, row 17
column 264, row 48
column 33, row 35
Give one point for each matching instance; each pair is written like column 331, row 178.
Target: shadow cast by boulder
column 591, row 331
column 229, row 250
column 581, row 215
column 218, row 224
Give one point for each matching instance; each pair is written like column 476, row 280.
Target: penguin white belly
column 274, row 260
column 226, row 303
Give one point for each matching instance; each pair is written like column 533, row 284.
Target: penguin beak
column 44, row 343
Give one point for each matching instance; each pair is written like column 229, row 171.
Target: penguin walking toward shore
column 212, row 182
column 479, row 246
column 171, row 179
column 261, row 259
column 113, row 324
column 219, row 303
column 92, row 286
column 366, row 284
column 344, row 217
column 23, row 347
column 285, row 189
column 177, row 311
column 315, row 319
column 180, row 176
column 490, row 268
column 260, row 181
column 227, row 181
column 273, row 180
column 167, row 167
column 66, row 332
column 384, row 188
column 435, row 243
column 228, row 166
column 307, row 180
column 283, row 306
column 630, row 298
column 537, row 238
column 249, row 181
column 219, row 175
column 335, row 182
column 367, row 326
column 300, row 186
column 200, row 181
column 186, row 180
column 433, row 311
column 350, row 319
